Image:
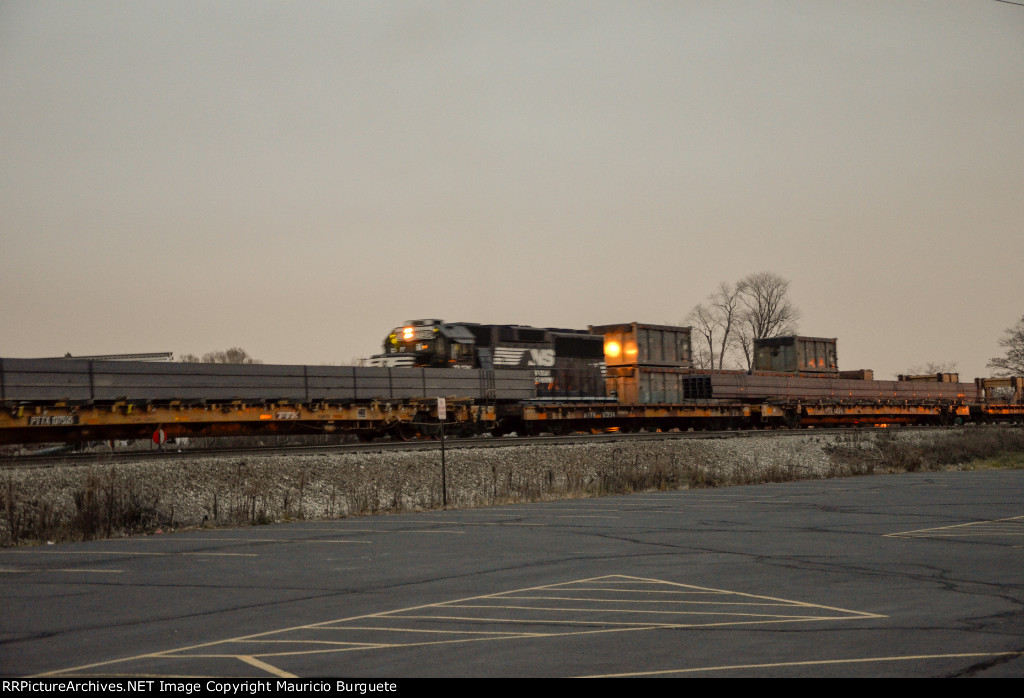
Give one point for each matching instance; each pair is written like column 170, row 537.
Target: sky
column 297, row 178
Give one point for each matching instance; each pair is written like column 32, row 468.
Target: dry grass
column 971, row 447
column 74, row 503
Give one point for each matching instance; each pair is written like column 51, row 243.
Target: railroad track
column 171, row 454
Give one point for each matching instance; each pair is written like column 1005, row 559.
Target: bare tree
column 1012, row 364
column 703, row 322
column 234, row 355
column 702, row 357
column 766, row 311
column 745, row 343
column 715, row 321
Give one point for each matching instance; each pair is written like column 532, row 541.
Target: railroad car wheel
column 404, row 432
column 792, row 419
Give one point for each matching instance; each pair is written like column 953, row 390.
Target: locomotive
column 565, row 363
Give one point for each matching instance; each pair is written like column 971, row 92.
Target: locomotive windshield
column 411, row 339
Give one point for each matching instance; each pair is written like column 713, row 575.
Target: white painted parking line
column 555, row 610
column 820, row 662
column 140, row 553
column 1009, row 527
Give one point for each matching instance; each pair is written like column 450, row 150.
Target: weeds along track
column 109, row 499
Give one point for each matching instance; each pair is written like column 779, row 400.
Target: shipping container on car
column 638, row 344
column 646, row 385
column 793, row 354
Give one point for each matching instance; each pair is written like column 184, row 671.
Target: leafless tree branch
column 1012, row 363
column 766, row 310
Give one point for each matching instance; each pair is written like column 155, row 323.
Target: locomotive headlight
column 407, row 333
column 612, row 349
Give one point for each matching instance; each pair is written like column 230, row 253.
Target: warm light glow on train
column 612, row 349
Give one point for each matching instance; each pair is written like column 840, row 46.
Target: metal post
column 444, row 483
column 442, row 416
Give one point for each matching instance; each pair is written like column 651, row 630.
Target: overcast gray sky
column 296, row 178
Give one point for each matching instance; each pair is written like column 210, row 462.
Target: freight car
column 78, row 400
column 509, row 378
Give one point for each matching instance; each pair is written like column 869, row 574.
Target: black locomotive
column 566, row 363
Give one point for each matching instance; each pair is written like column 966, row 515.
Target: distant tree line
column 234, row 355
column 932, row 367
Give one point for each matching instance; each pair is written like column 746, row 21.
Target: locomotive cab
column 432, row 343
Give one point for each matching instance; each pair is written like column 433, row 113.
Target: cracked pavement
column 893, row 575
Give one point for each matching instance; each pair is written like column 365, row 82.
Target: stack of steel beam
column 734, row 385
column 72, row 380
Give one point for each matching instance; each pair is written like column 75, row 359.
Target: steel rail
column 170, row 454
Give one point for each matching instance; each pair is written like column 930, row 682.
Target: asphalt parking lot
column 897, row 575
